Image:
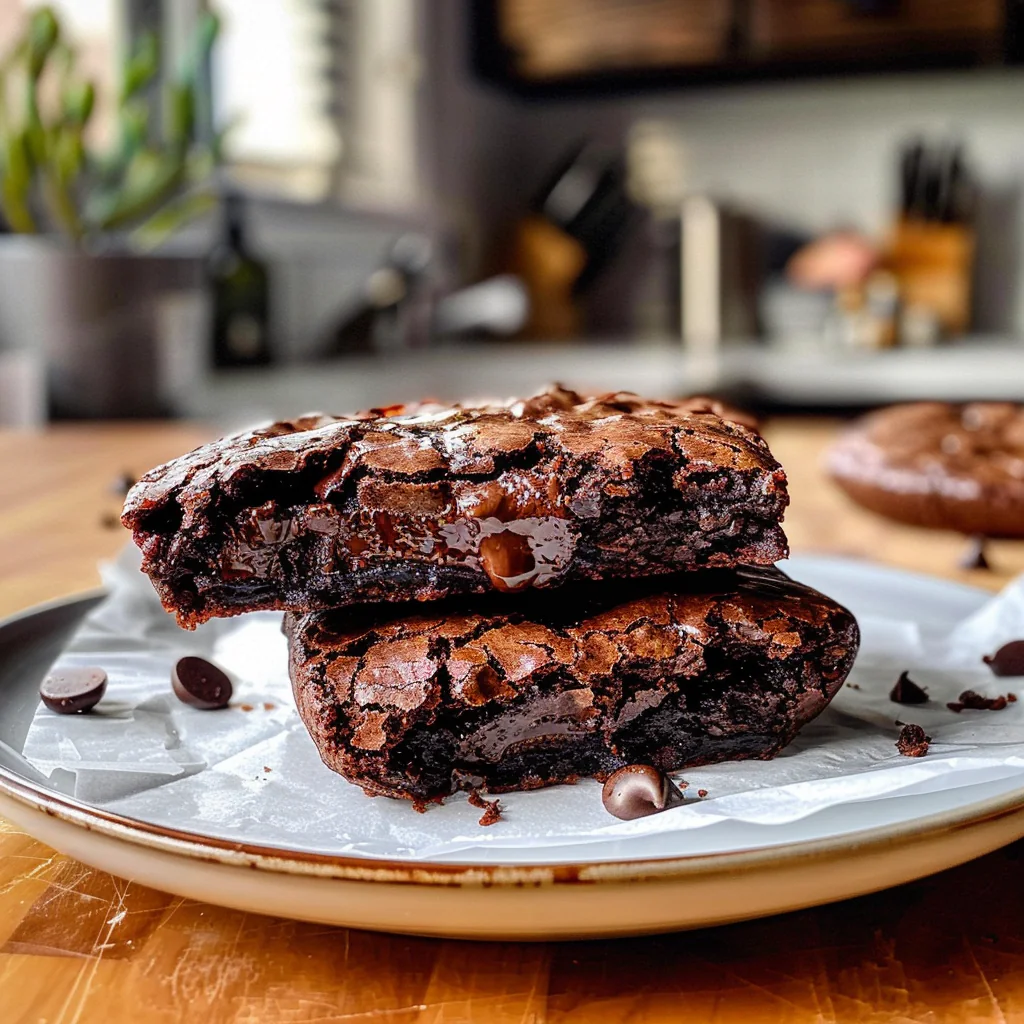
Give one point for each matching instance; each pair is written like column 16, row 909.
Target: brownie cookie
column 952, row 467
column 415, row 702
column 428, row 501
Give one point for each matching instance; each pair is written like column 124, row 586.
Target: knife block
column 933, row 262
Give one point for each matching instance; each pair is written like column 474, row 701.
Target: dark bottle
column 240, row 295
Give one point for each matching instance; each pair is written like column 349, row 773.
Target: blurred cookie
column 949, row 467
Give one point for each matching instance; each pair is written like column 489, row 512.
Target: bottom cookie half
column 507, row 693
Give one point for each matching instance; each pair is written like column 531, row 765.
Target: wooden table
column 77, row 945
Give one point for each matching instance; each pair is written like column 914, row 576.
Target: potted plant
column 79, row 282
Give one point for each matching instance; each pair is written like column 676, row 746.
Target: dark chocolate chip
column 73, row 689
column 1008, row 660
column 638, row 790
column 974, row 556
column 906, row 691
column 200, row 684
column 912, row 741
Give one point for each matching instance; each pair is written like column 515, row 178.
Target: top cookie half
column 424, row 502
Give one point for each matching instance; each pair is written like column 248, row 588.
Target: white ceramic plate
column 635, row 886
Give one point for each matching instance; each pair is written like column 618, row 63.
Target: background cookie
column 953, row 467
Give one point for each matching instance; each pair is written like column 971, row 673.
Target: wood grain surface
column 77, row 945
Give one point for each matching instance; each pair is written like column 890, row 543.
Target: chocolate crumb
column 492, row 815
column 972, row 701
column 491, row 808
column 702, row 793
column 267, row 706
column 853, row 686
column 906, row 691
column 912, row 741
column 267, row 768
column 109, row 521
column 247, row 707
column 122, row 484
column 1012, row 698
column 974, row 556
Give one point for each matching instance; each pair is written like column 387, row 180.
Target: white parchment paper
column 251, row 773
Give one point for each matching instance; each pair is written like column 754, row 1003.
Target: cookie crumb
column 702, row 793
column 974, row 556
column 267, row 706
column 912, row 741
column 122, row 484
column 267, row 768
column 109, row 521
column 973, row 701
column 906, row 691
column 853, row 686
column 1011, row 698
column 247, row 707
column 491, row 808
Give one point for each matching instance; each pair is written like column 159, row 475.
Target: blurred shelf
column 761, row 374
column 977, row 368
column 446, row 373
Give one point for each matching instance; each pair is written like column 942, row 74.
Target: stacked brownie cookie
column 508, row 595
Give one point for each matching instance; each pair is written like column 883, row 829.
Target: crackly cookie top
column 960, row 451
column 403, row 455
column 394, row 661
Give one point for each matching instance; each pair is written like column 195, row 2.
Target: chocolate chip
column 638, row 790
column 200, row 684
column 1008, row 660
column 73, row 689
column 506, row 557
column 974, row 556
column 912, row 741
column 906, row 691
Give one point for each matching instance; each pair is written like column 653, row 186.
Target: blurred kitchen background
column 250, row 208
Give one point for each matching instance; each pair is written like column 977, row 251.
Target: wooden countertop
column 78, row 946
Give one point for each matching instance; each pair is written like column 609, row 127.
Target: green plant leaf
column 16, row 183
column 179, row 113
column 206, row 32
column 141, row 66
column 43, row 33
column 150, row 179
column 77, row 102
column 171, row 218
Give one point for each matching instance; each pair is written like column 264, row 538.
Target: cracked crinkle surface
column 416, row 701
column 428, row 501
column 951, row 467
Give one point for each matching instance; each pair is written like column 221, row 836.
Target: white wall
column 822, row 154
column 816, row 154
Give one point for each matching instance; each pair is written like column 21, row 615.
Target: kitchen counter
column 79, row 946
column 974, row 369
